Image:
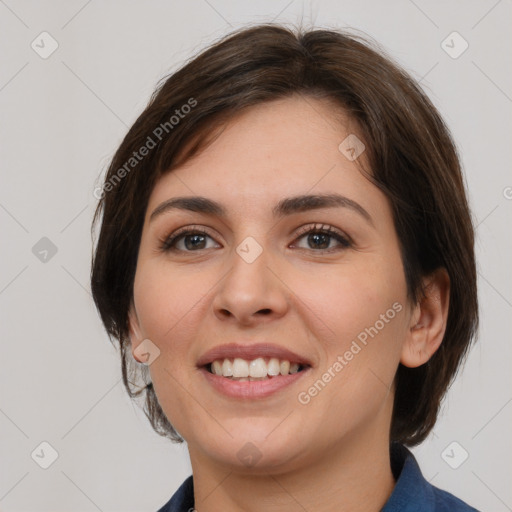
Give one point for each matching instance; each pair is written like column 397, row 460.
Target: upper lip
column 251, row 352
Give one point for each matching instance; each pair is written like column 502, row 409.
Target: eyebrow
column 283, row 208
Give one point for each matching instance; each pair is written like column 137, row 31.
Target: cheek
column 363, row 315
column 164, row 298
column 350, row 298
column 353, row 383
column 165, row 302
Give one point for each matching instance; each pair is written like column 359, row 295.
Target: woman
column 286, row 259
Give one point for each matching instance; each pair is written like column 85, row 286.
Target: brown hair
column 409, row 150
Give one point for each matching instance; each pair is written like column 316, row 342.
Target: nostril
column 265, row 311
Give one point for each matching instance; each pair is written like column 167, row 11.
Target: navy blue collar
column 412, row 493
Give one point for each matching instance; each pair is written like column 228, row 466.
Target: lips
column 230, row 379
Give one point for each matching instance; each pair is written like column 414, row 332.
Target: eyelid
column 326, row 228
column 167, row 240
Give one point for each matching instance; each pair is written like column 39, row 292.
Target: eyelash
column 168, row 244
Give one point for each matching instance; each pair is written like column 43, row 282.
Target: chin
column 254, row 450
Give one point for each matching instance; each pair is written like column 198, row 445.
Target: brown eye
column 323, row 239
column 187, row 241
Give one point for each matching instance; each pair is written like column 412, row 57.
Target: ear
column 135, row 332
column 428, row 320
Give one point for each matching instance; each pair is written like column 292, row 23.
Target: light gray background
column 62, row 119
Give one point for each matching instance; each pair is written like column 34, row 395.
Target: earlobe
column 428, row 321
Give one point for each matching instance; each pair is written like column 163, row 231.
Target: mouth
column 259, row 369
column 252, row 371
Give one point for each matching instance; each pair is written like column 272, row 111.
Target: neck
column 355, row 475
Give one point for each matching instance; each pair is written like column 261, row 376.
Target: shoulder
column 446, row 502
column 182, row 500
column 413, row 493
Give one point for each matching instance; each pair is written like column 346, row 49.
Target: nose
column 250, row 292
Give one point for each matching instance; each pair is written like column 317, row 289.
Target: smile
column 258, row 369
column 251, row 371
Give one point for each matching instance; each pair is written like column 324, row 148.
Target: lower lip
column 251, row 389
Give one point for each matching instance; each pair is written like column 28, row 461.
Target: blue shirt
column 412, row 493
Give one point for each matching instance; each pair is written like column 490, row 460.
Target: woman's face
column 252, row 283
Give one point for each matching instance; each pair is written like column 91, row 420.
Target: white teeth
column 217, row 367
column 240, row 368
column 256, row 369
column 227, row 368
column 273, row 367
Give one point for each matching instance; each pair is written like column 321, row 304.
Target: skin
column 331, row 453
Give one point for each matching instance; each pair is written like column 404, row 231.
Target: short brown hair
column 412, row 158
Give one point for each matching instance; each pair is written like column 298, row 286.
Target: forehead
column 284, row 147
